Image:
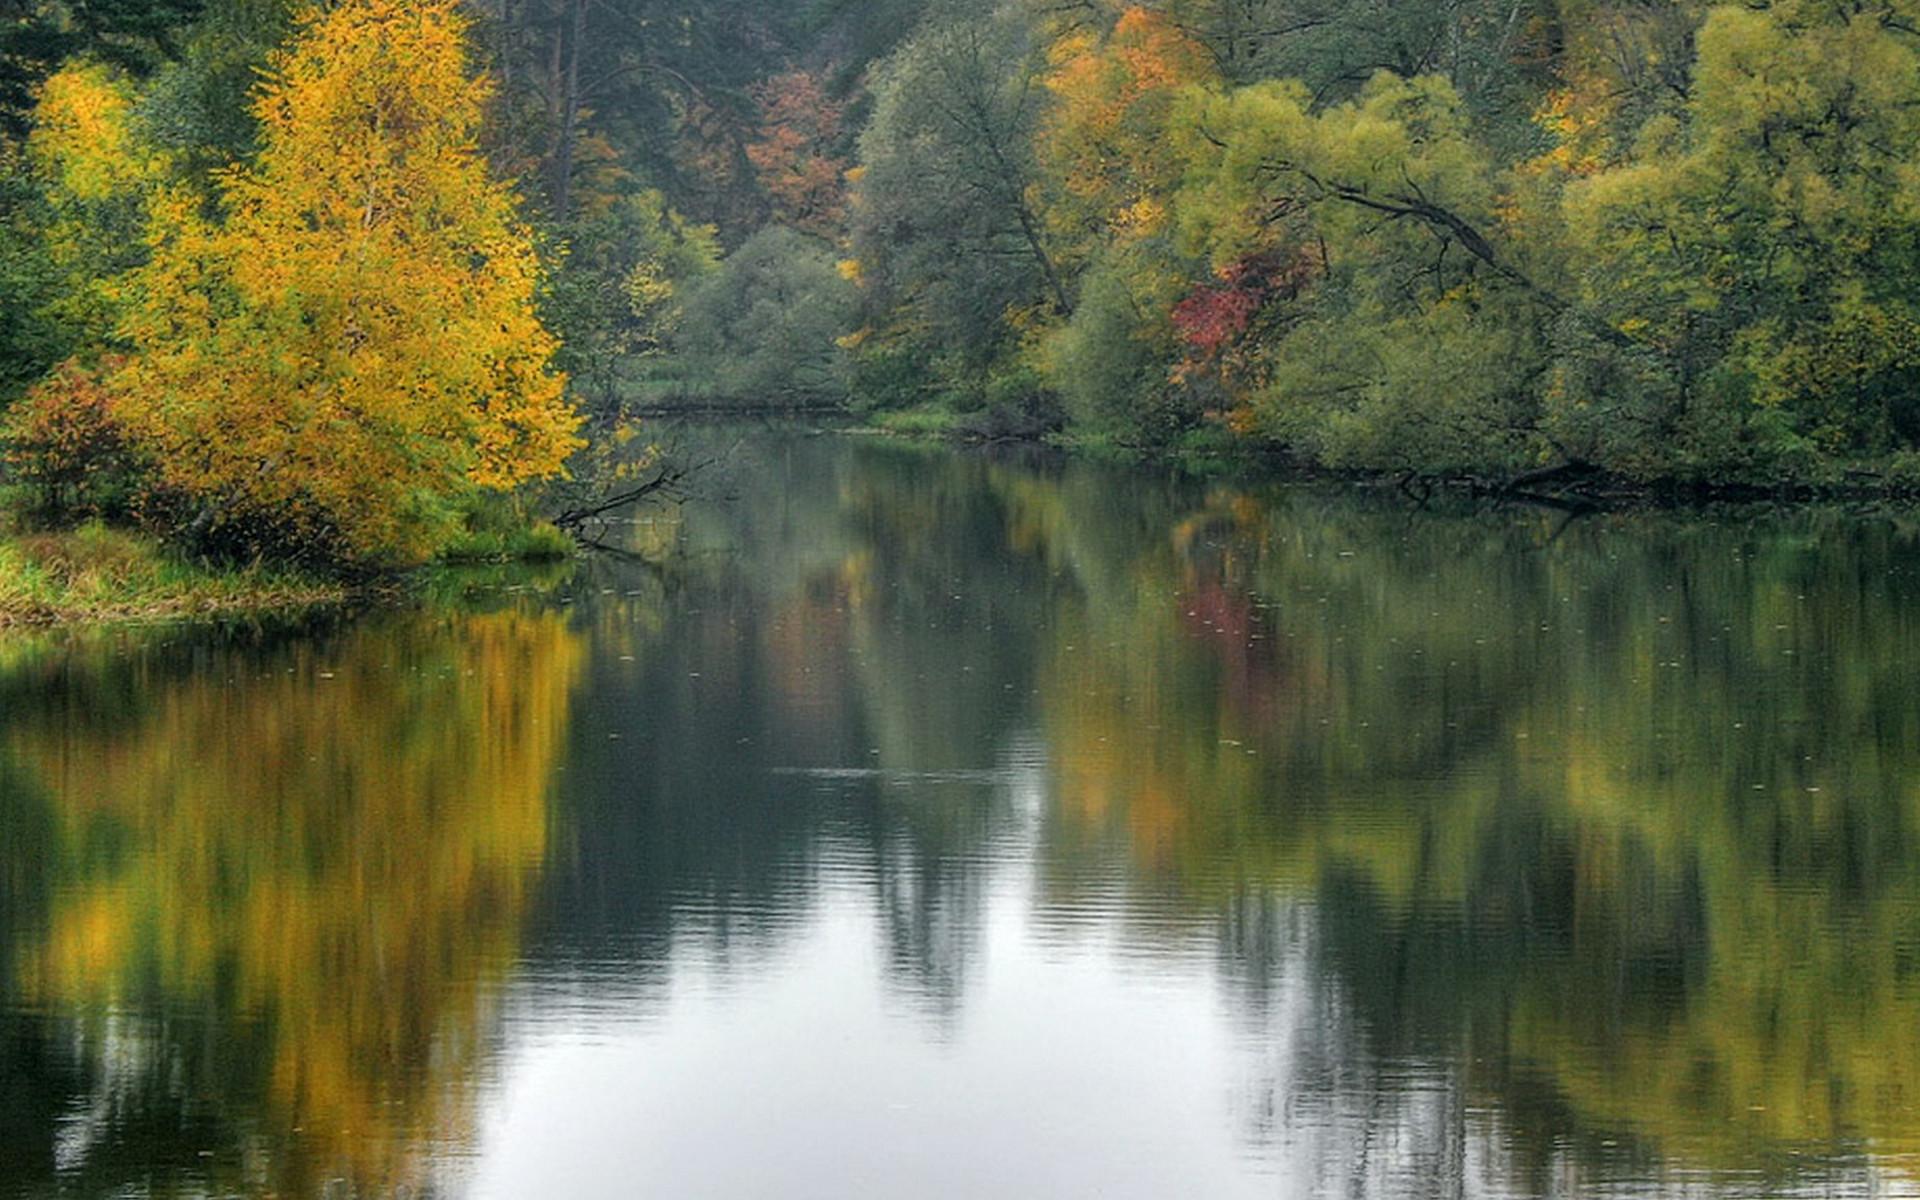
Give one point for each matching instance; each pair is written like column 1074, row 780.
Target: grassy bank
column 93, row 574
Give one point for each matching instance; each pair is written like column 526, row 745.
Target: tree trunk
column 569, row 112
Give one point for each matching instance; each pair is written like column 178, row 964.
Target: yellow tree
column 355, row 344
column 1104, row 139
column 1109, row 174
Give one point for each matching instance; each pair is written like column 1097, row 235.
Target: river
column 897, row 823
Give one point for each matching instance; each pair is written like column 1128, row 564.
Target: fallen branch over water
column 665, row 480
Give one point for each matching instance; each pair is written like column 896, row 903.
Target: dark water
column 910, row 825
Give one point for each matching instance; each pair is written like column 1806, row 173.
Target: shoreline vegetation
column 1570, row 484
column 313, row 293
column 93, row 574
column 96, row 575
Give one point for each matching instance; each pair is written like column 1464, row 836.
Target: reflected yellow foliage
column 329, row 851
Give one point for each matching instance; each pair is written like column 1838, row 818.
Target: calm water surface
column 911, row 825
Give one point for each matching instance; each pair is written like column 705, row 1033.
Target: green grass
column 923, row 422
column 97, row 574
column 495, row 530
column 535, row 544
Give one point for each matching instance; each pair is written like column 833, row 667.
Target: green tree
column 949, row 231
column 31, row 339
column 1496, row 53
column 618, row 294
column 1415, row 338
column 1754, row 259
column 1109, row 173
column 764, row 327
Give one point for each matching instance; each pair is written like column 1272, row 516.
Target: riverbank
column 94, row 574
column 1209, row 450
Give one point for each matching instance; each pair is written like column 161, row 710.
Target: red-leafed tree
column 1221, row 325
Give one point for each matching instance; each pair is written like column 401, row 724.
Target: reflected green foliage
column 1587, row 848
column 1611, row 821
column 1631, row 802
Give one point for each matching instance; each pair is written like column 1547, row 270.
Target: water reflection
column 269, row 887
column 1574, row 852
column 948, row 826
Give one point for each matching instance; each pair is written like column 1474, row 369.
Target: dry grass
column 96, row 574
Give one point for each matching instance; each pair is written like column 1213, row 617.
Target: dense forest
column 289, row 275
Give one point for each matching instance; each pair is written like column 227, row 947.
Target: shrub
column 67, row 447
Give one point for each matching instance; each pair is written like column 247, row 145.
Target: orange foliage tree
column 355, row 345
column 804, row 179
column 1104, row 139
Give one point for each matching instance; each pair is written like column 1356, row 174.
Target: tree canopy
column 1670, row 240
column 343, row 338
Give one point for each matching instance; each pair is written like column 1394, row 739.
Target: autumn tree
column 38, row 36
column 1754, row 261
column 796, row 156
column 1109, row 174
column 354, row 346
column 1102, row 140
column 96, row 176
column 1415, row 338
column 72, row 209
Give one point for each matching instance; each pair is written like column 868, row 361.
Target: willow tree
column 352, row 345
column 1758, row 257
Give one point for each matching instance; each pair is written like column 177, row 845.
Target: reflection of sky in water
column 1094, row 1046
column 1066, row 1070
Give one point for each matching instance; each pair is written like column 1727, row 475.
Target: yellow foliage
column 358, row 339
column 83, row 136
column 1104, row 138
column 98, row 176
column 336, row 846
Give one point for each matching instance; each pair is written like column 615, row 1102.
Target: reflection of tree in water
column 1543, row 851
column 284, row 882
column 38, row 1077
column 1458, row 788
column 834, row 701
column 1521, row 857
column 1620, row 816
